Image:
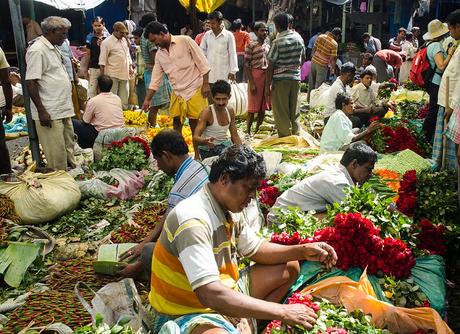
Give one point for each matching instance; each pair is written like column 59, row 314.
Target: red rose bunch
column 264, row 184
column 374, row 119
column 268, row 196
column 431, row 238
column 407, row 193
column 296, row 298
column 423, row 112
column 399, row 139
column 285, row 239
column 142, row 142
column 358, row 244
column 335, row 330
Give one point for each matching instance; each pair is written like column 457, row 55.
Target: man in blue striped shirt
column 283, row 76
column 171, row 153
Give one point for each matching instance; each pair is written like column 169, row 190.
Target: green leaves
column 130, row 156
column 293, row 220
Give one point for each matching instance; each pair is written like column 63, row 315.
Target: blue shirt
column 433, row 49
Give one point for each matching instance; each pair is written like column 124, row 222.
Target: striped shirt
column 146, row 48
column 189, row 178
column 325, row 49
column 199, row 244
column 286, row 53
column 255, row 55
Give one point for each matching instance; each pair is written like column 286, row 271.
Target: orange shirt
column 242, row 39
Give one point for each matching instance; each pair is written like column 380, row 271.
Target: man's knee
column 293, row 269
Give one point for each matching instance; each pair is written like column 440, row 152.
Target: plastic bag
column 319, row 96
column 129, row 184
column 115, row 301
column 360, row 295
column 410, row 95
column 40, row 198
column 106, row 137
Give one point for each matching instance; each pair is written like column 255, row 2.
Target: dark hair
column 341, row 99
column 348, row 67
column 259, row 25
column 366, row 72
column 146, row 19
column 415, row 29
column 222, row 87
column 359, row 151
column 216, row 15
column 366, row 35
column 155, row 28
column 281, row 21
column 104, row 82
column 368, row 55
column 98, row 19
column 400, row 30
column 454, row 17
column 336, row 31
column 290, row 19
column 239, row 162
column 138, row 32
column 168, row 140
column 237, row 24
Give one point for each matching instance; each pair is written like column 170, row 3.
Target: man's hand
column 146, row 105
column 253, row 89
column 231, row 76
column 45, row 118
column 321, row 252
column 130, row 270
column 132, row 252
column 205, row 90
column 299, row 314
column 374, row 126
column 209, row 141
column 6, row 115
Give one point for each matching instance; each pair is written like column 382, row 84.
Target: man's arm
column 44, row 116
column 201, row 63
column 202, row 123
column 233, row 131
column 269, row 78
column 247, row 67
column 233, row 57
column 103, row 56
column 8, row 93
column 155, row 81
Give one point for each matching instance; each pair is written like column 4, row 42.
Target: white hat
column 435, row 29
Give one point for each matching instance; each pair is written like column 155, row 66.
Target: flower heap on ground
column 358, row 244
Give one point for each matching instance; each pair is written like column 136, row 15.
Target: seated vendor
column 171, row 153
column 365, row 100
column 104, row 111
column 338, row 132
column 211, row 133
column 196, row 286
column 327, row 187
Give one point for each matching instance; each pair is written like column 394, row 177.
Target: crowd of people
column 190, row 257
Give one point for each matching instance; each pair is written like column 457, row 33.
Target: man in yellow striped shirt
column 195, row 283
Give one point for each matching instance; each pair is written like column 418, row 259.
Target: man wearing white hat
column 439, row 59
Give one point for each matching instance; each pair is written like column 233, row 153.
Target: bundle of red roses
column 399, row 139
column 268, row 196
column 407, row 193
column 431, row 238
column 142, row 142
column 358, row 244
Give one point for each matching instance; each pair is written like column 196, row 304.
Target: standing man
column 242, row 39
column 416, row 32
column 312, row 41
column 33, row 29
column 149, row 51
column 219, row 47
column 188, row 72
column 5, row 112
column 324, row 57
column 256, row 64
column 371, row 44
column 283, row 76
column 206, row 28
column 51, row 93
column 397, row 42
column 115, row 61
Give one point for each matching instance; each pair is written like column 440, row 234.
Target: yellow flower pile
column 165, row 121
column 135, row 118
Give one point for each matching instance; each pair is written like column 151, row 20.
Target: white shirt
column 452, row 72
column 315, row 192
column 46, row 64
column 337, row 132
column 220, row 51
column 363, row 97
column 336, row 88
column 115, row 57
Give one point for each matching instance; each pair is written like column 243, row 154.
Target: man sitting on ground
column 104, row 111
column 339, row 131
column 171, row 153
column 365, row 99
column 315, row 192
column 196, row 286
